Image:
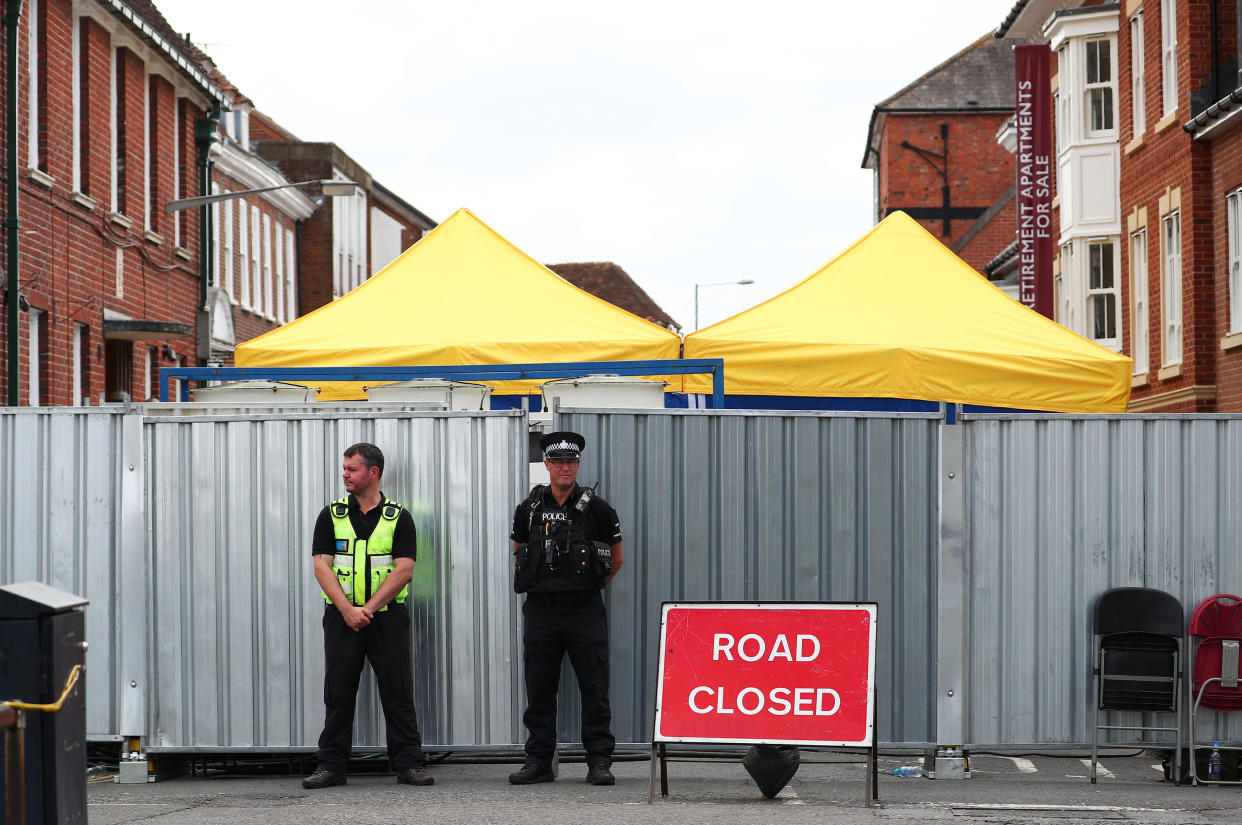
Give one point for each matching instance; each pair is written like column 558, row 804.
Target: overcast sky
column 688, row 142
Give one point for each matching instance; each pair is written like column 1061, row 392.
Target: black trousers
column 555, row 624
column 385, row 643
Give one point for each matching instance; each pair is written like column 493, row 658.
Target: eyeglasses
column 562, row 462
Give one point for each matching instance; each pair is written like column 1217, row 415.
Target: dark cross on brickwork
column 947, row 212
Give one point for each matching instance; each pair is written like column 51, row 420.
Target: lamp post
column 330, row 188
column 742, row 282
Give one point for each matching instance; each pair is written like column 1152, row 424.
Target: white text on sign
column 779, row 701
column 752, row 647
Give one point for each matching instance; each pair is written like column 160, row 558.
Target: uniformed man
column 567, row 547
column 364, row 548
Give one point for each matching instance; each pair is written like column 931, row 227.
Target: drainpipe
column 204, row 136
column 12, row 18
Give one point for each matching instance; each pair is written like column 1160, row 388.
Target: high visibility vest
column 361, row 565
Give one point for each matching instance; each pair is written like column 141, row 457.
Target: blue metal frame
column 473, row 372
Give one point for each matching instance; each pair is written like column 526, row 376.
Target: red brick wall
column 69, row 245
column 1171, row 159
column 979, row 170
column 1226, row 177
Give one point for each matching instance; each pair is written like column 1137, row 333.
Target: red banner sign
column 776, row 673
column 1034, row 178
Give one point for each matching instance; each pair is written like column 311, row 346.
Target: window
column 256, row 261
column 1101, row 292
column 268, row 308
column 1168, row 53
column 1061, row 101
column 155, row 147
column 1063, row 294
column 1099, row 87
column 36, row 148
column 1171, row 287
column 1138, row 81
column 243, row 251
column 1233, row 211
column 226, row 236
column 1138, row 300
column 217, row 238
column 290, row 271
column 81, row 364
column 349, row 220
column 34, row 349
column 278, row 272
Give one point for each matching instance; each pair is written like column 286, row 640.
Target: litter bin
column 42, row 638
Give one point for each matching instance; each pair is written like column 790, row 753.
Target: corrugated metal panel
column 60, row 496
column 1060, row 509
column 773, row 506
column 237, row 652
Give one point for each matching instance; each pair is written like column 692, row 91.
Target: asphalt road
column 828, row 788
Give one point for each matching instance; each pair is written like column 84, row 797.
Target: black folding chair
column 1137, row 651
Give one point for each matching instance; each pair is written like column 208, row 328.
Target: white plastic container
column 256, row 393
column 456, row 395
column 604, row 391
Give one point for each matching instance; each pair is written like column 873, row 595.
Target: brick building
column 348, row 239
column 1163, row 77
column 114, row 111
column 108, row 99
column 932, row 147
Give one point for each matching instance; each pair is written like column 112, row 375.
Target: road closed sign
column 776, row 673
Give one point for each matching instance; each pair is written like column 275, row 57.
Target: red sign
column 1034, row 178
column 776, row 673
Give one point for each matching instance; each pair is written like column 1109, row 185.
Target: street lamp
column 331, row 188
column 742, row 282
column 207, row 135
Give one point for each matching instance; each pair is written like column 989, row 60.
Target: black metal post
column 205, row 137
column 12, row 18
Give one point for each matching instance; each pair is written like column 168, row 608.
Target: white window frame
column 1138, row 74
column 1099, row 95
column 216, row 240
column 32, row 347
column 112, row 127
column 1171, row 287
column 268, row 286
column 1168, row 54
column 1063, row 120
column 76, row 138
column 1140, row 344
column 146, row 150
column 226, row 233
column 77, row 364
column 32, row 85
column 278, row 272
column 256, row 261
column 1233, row 214
column 243, row 251
column 290, row 276
column 1104, row 254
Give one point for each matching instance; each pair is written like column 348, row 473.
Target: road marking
column 1024, row 765
column 1100, row 770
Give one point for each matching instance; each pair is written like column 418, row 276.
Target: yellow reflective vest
column 361, row 565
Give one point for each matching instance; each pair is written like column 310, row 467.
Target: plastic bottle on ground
column 908, row 771
column 1214, row 766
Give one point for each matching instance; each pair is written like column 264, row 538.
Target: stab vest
column 361, row 565
column 564, row 558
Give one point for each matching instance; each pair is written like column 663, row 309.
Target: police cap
column 562, row 445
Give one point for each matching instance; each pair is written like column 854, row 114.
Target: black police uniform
column 385, row 642
column 560, row 618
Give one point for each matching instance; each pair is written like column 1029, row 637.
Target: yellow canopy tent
column 897, row 315
column 462, row 295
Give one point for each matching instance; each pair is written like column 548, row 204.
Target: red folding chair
column 1215, row 638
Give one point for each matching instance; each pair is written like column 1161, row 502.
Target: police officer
column 567, row 546
column 364, row 548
